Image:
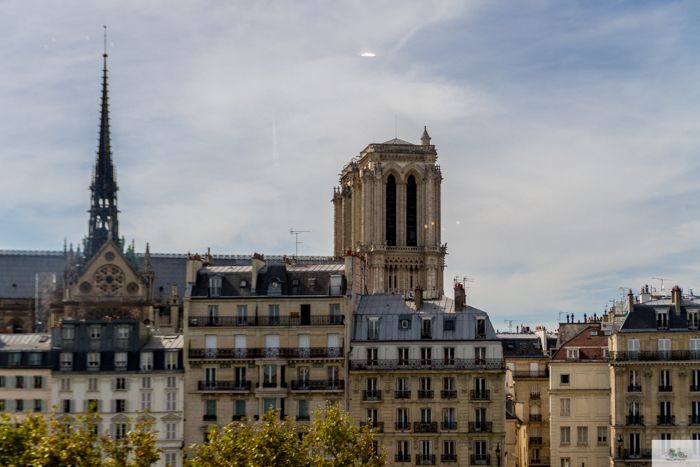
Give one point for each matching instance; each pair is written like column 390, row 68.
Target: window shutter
column 113, row 430
column 10, row 382
column 113, row 406
column 72, row 406
column 99, row 405
column 126, row 405
column 10, row 405
column 114, row 385
column 127, row 383
column 43, row 405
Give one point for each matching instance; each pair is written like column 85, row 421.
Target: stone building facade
column 25, row 374
column 387, row 208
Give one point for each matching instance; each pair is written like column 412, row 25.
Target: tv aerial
column 297, row 242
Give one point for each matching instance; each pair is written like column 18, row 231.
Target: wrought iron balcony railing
column 318, row 385
column 425, row 459
column 535, row 440
column 448, row 394
column 695, row 388
column 482, row 459
column 535, row 396
column 400, row 426
column 634, row 420
column 481, row 395
column 480, row 427
column 303, row 418
column 634, row 388
column 636, row 453
column 531, row 374
column 535, row 417
column 371, row 395
column 377, row 426
column 666, row 420
column 229, row 321
column 224, row 386
column 209, row 418
column 653, row 355
column 402, row 457
column 280, row 352
column 665, row 388
column 402, row 394
column 425, row 427
column 238, row 418
column 425, row 394
column 694, row 419
column 448, row 425
column 448, row 458
column 434, row 364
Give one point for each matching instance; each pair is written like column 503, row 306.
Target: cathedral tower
column 103, row 208
column 388, row 208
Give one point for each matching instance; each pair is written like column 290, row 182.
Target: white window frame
column 146, row 400
column 171, row 401
column 170, row 431
column 121, row 359
column 66, row 360
column 146, row 361
column 146, row 382
column 95, row 331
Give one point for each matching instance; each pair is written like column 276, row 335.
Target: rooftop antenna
column 623, row 291
column 105, row 51
column 662, row 279
column 396, row 126
column 510, row 324
column 297, row 232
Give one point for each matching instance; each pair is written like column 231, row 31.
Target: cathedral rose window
column 109, row 279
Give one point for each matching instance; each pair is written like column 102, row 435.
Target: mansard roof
column 643, row 316
column 591, row 343
column 19, row 342
column 18, row 270
column 393, row 309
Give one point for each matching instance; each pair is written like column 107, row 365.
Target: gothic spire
column 103, row 210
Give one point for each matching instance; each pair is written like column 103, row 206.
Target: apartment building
column 580, row 400
column 121, row 369
column 25, row 374
column 270, row 334
column 655, row 374
column 527, row 385
column 428, row 374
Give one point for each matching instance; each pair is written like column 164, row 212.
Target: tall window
column 391, row 211
column 411, row 216
column 171, row 360
column 171, row 401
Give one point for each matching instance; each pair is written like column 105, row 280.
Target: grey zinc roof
column 17, row 342
column 18, row 270
column 643, row 317
column 168, row 342
column 398, row 141
column 392, row 309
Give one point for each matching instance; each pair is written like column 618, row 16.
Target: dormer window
column 426, row 331
column 244, row 283
column 68, row 332
column 295, row 282
column 373, row 329
column 693, row 319
column 215, row 286
column 449, row 325
column 274, row 287
column 480, row 328
column 312, row 281
column 662, row 320
column 572, row 354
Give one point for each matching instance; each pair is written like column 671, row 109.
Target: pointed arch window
column 411, row 212
column 391, row 211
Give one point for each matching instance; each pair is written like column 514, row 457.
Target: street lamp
column 498, row 454
column 619, row 446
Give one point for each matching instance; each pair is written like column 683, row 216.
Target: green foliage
column 67, row 442
column 331, row 441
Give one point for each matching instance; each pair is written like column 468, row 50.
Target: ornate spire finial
column 425, row 139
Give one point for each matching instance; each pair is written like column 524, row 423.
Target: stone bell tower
column 388, row 208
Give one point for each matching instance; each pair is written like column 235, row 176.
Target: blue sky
column 567, row 131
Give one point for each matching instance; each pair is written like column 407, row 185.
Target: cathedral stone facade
column 387, row 208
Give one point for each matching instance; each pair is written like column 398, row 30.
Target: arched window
column 411, row 208
column 391, row 211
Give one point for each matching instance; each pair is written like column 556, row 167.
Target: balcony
column 665, row 388
column 235, row 321
column 434, row 364
column 425, row 459
column 634, row 388
column 209, row 418
column 693, row 419
column 480, row 427
column 425, row 394
column 402, row 457
column 634, row 420
column 448, row 394
column 534, row 396
column 376, row 426
column 318, row 385
column 482, row 395
column 535, row 440
column 425, row 427
column 448, row 458
column 303, row 418
column 636, row 453
column 448, row 425
column 666, row 420
column 480, row 459
column 402, row 394
column 540, row 461
column 240, row 386
column 654, row 355
column 530, row 374
column 694, row 388
column 401, row 426
column 238, row 418
column 281, row 352
column 535, row 417
column 372, row 396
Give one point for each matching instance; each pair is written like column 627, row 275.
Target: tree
column 331, row 441
column 74, row 442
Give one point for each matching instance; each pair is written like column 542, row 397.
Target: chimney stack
column 418, row 297
column 459, row 297
column 677, row 299
column 630, row 301
column 258, row 263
